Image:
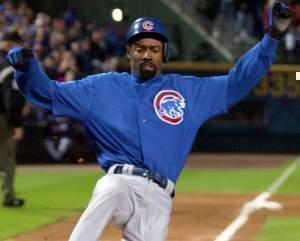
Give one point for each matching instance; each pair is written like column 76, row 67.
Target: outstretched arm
column 31, row 79
column 72, row 99
column 250, row 69
column 255, row 64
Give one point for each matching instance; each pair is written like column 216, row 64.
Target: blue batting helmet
column 149, row 27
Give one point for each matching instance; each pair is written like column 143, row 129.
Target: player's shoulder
column 109, row 76
column 175, row 77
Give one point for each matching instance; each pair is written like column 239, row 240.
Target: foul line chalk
column 258, row 203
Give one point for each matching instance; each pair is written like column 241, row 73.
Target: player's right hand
column 19, row 58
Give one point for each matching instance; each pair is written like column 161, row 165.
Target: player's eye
column 139, row 50
column 156, row 50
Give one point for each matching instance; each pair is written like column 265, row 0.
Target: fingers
column 13, row 59
column 14, row 56
column 27, row 53
column 282, row 10
column 19, row 57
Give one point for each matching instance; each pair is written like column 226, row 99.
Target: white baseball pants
column 135, row 204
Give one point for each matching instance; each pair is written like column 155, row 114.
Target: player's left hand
column 280, row 18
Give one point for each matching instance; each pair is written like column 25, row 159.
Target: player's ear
column 129, row 50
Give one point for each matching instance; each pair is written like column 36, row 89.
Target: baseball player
column 143, row 124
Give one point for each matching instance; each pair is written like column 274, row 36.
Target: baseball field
column 219, row 198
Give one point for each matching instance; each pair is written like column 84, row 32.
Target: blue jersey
column 151, row 125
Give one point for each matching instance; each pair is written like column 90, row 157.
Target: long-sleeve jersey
column 151, row 125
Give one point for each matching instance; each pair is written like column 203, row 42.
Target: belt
column 161, row 181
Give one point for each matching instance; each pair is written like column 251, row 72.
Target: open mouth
column 147, row 66
column 147, row 70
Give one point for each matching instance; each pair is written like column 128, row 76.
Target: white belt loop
column 112, row 169
column 130, row 169
column 170, row 187
column 127, row 169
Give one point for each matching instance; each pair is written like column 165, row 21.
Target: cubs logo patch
column 169, row 106
column 148, row 25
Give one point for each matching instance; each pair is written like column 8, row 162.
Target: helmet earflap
column 167, row 52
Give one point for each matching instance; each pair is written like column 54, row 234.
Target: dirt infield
column 198, row 217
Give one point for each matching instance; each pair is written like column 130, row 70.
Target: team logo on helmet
column 169, row 105
column 148, row 25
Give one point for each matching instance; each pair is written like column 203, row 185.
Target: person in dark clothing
column 11, row 130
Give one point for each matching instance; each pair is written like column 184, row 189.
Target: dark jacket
column 11, row 100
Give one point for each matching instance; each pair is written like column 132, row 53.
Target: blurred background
column 73, row 39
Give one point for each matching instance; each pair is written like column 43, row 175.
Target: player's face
column 146, row 58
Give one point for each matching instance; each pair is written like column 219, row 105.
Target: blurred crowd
column 246, row 20
column 68, row 50
column 66, row 47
